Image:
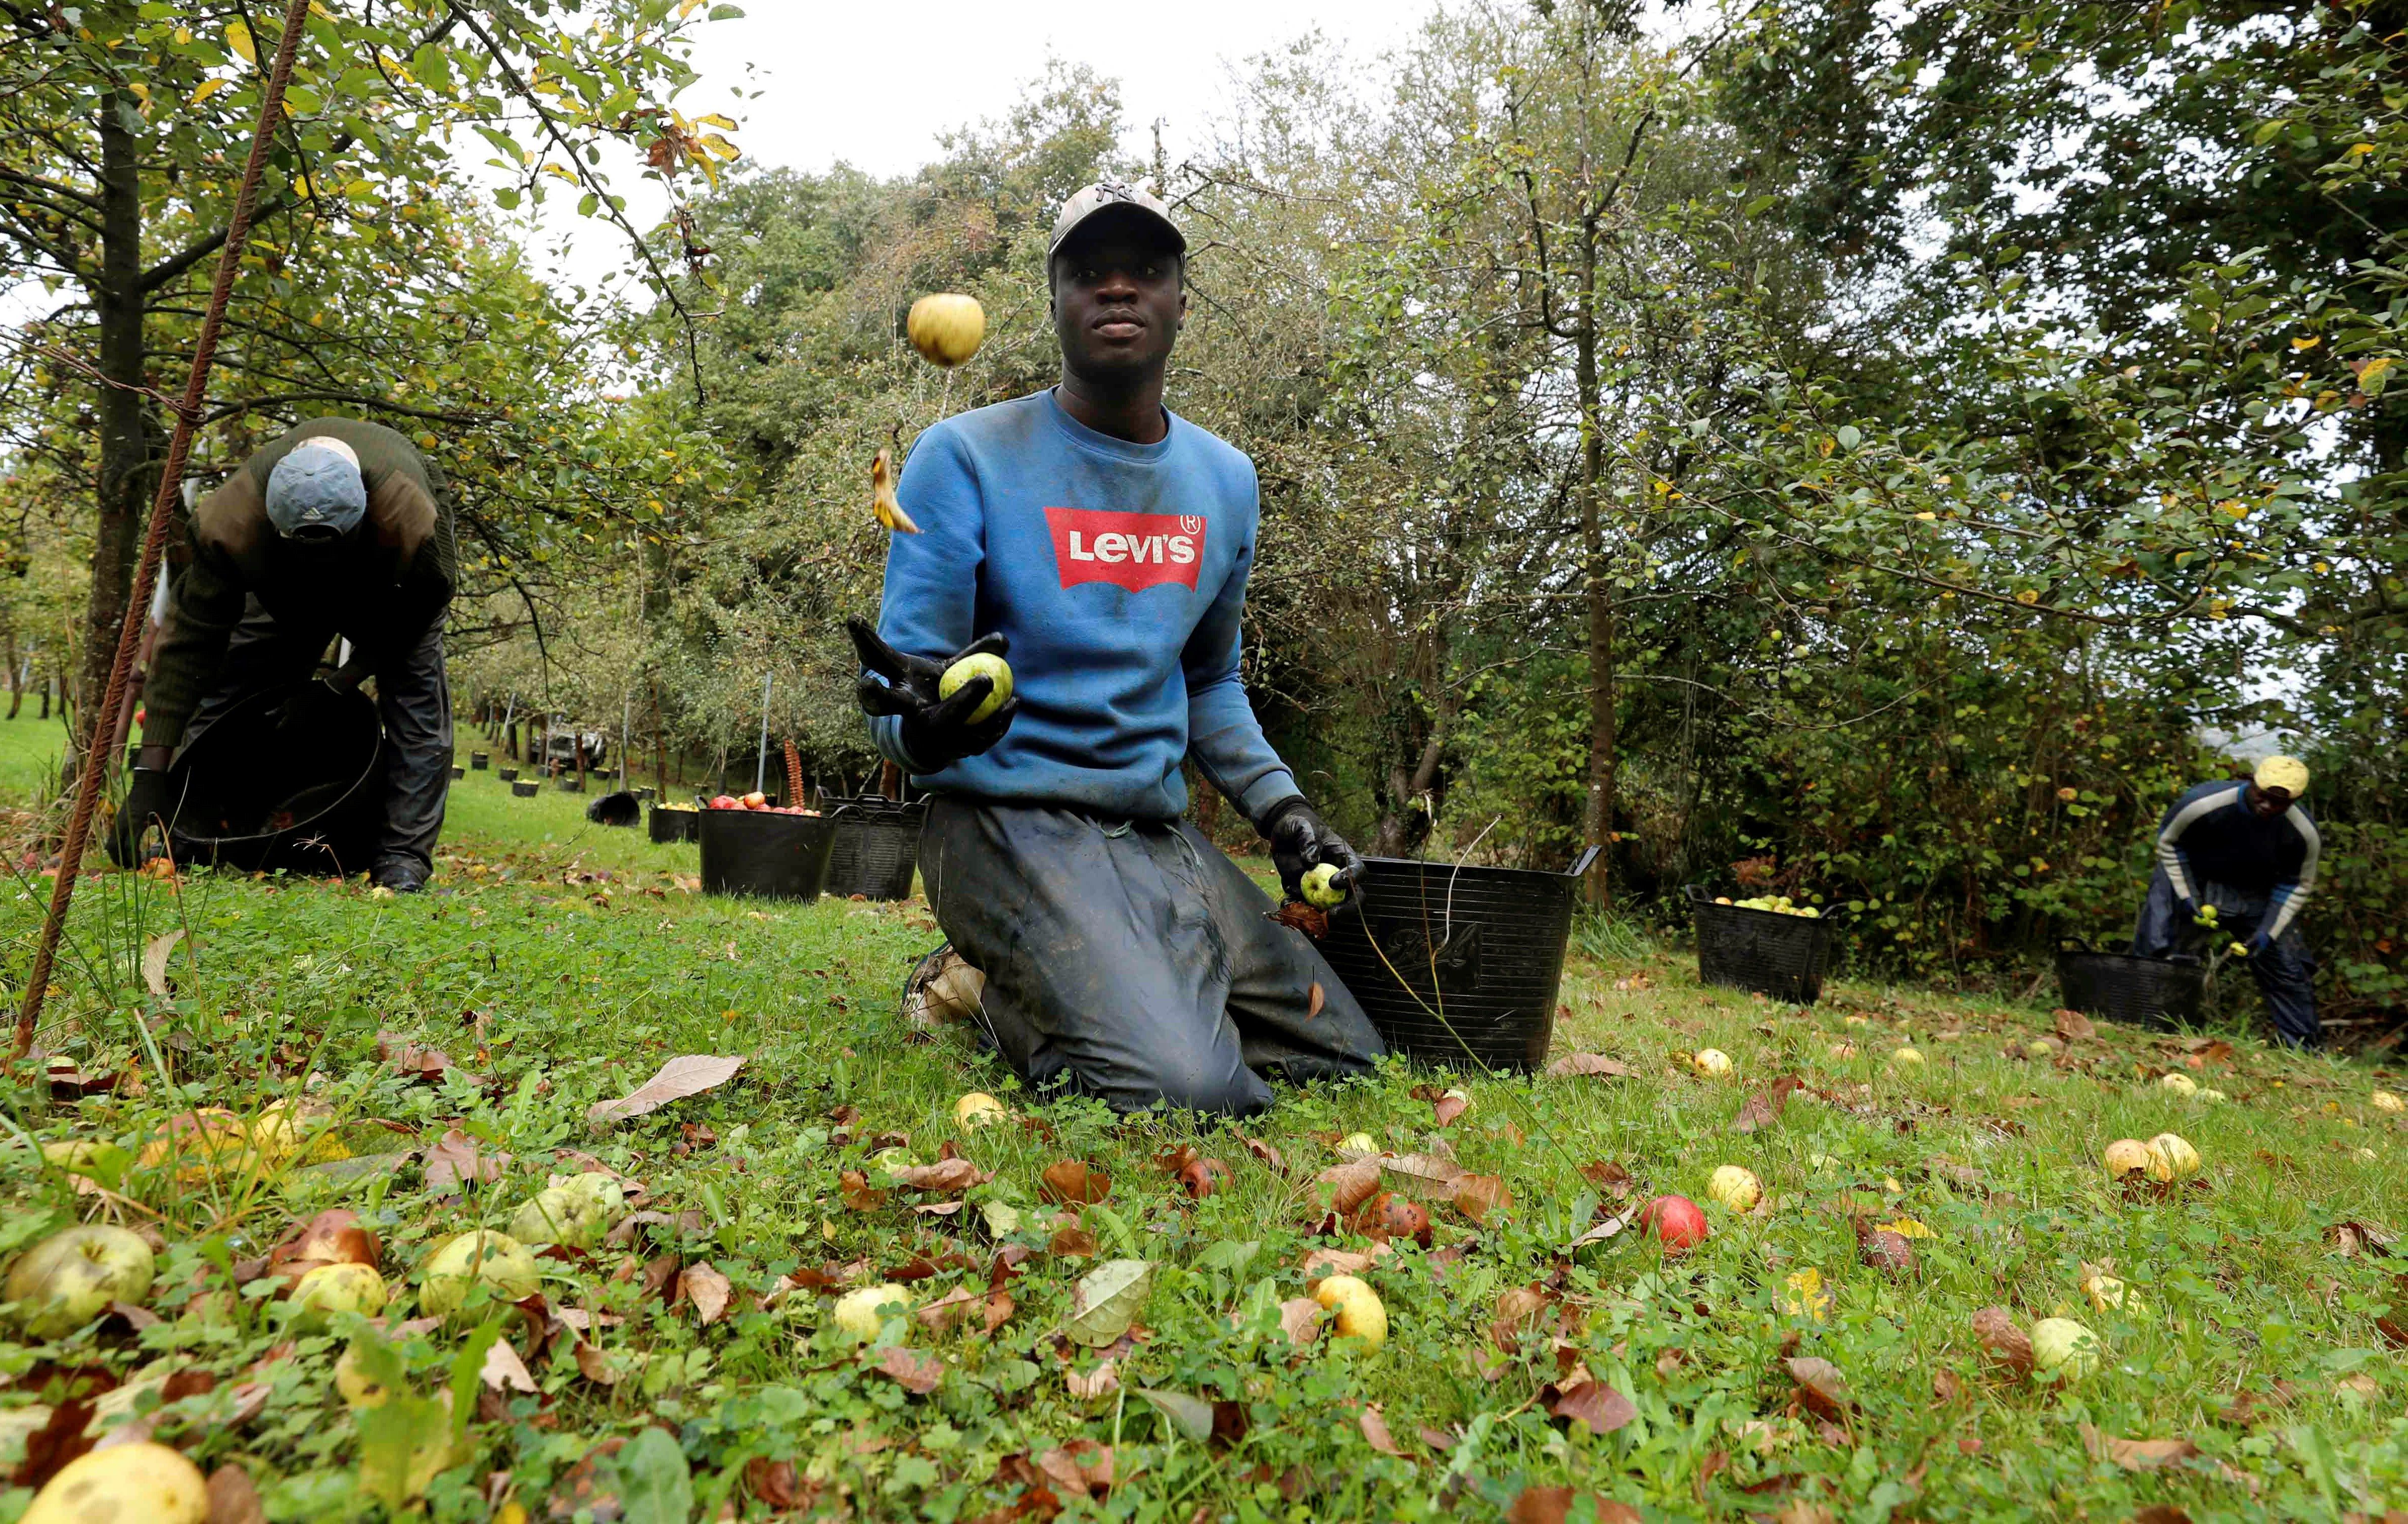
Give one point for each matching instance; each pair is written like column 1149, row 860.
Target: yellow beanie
column 2288, row 773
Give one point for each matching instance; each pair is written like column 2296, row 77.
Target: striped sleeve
column 2170, row 853
column 2287, row 898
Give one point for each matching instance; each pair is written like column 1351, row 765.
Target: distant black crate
column 746, row 851
column 1763, row 951
column 2152, row 992
column 672, row 822
column 525, row 788
column 507, row 774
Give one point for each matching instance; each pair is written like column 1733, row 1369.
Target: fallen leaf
column 1074, row 1244
column 1082, row 1467
column 1946, row 1388
column 2004, row 1341
column 688, row 1074
column 1608, row 1228
column 1104, row 1379
column 1322, row 1262
column 155, row 954
column 1590, row 1064
column 456, row 1159
column 1350, row 1184
column 2351, row 1239
column 776, row 1482
column 702, row 1285
column 914, row 1369
column 1584, row 1400
column 2160, row 1513
column 1313, row 1000
column 1265, row 1152
column 858, row 1193
column 596, row 1366
column 1607, row 1176
column 1300, row 1319
column 1554, row 1505
column 1477, row 1195
column 1374, row 1425
column 1764, row 1108
column 1447, row 1108
column 2072, row 1026
column 1192, row 1416
column 948, row 1175
column 2136, row 1454
column 1820, row 1385
column 333, row 1236
column 1072, row 1183
column 233, row 1499
column 1424, row 1176
column 1107, row 1300
column 417, row 1060
column 504, row 1371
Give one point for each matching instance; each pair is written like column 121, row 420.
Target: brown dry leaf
column 1082, row 1467
column 2351, row 1239
column 1322, row 1262
column 776, row 1482
column 504, row 1371
column 1554, row 1505
column 858, row 1193
column 914, row 1369
column 596, row 1366
column 951, row 1308
column 1608, row 1228
column 1518, row 1309
column 1607, row 1176
column 417, row 1060
column 155, row 954
column 1764, row 1108
column 2160, row 1513
column 1423, row 1177
column 1586, row 1401
column 1073, row 1242
column 456, row 1159
column 333, row 1236
column 1374, row 1425
column 1101, row 1381
column 948, row 1175
column 1447, row 1108
column 1820, row 1385
column 688, row 1074
column 1298, row 916
column 1590, row 1064
column 1313, row 1000
column 2136, row 1454
column 1945, row 1387
column 1300, row 1319
column 1351, row 1184
column 2004, row 1341
column 1265, row 1152
column 233, row 1499
column 1477, row 1195
column 1172, row 1161
column 2072, row 1026
column 1074, row 1184
column 703, row 1284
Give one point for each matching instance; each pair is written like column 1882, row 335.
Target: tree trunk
column 16, row 673
column 127, row 443
column 1600, row 586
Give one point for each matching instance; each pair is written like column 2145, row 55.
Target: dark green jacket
column 388, row 580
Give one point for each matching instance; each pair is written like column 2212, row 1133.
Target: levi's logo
column 1132, row 550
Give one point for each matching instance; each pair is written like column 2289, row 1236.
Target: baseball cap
column 2288, row 773
column 315, row 492
column 1103, row 196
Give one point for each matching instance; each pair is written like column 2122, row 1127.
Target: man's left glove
column 936, row 732
column 1300, row 840
column 2258, row 942
column 146, row 797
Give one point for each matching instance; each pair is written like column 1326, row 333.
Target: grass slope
column 562, row 964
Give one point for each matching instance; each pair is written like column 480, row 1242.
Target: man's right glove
column 146, row 798
column 1300, row 840
column 936, row 732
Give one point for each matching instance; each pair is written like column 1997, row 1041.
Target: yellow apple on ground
column 1906, row 1057
column 2180, row 1083
column 860, row 1313
column 124, row 1484
column 1736, row 1188
column 575, row 1213
column 1361, row 1314
column 358, row 1390
column 2386, row 1101
column 1357, row 1143
column 330, row 1289
column 497, row 1261
column 977, row 1109
column 2106, row 1293
column 1711, row 1061
column 69, row 1278
column 2064, row 1349
column 2125, row 1158
column 201, row 1143
column 2171, row 1159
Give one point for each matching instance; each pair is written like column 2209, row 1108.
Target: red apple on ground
column 1677, row 1222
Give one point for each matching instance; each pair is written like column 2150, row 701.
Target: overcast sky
column 875, row 85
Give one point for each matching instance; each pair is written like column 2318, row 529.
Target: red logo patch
column 1132, row 550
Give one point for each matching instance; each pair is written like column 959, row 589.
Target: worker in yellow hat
column 2236, row 860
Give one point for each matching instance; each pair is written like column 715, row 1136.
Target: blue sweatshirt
column 1118, row 571
column 2210, row 836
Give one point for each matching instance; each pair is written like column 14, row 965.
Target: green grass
column 559, row 963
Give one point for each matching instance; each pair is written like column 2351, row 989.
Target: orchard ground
column 560, row 964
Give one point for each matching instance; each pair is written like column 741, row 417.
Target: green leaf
column 726, row 13
column 1192, row 1416
column 655, row 1485
column 1759, row 206
column 1849, row 437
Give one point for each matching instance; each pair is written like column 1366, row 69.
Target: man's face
column 1117, row 301
column 2268, row 803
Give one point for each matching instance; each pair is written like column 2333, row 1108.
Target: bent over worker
column 337, row 528
column 1103, row 543
column 2236, row 860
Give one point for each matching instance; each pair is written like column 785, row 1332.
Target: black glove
column 936, row 732
column 1300, row 840
column 146, row 797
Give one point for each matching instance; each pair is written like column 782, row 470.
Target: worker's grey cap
column 1103, row 196
column 315, row 492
